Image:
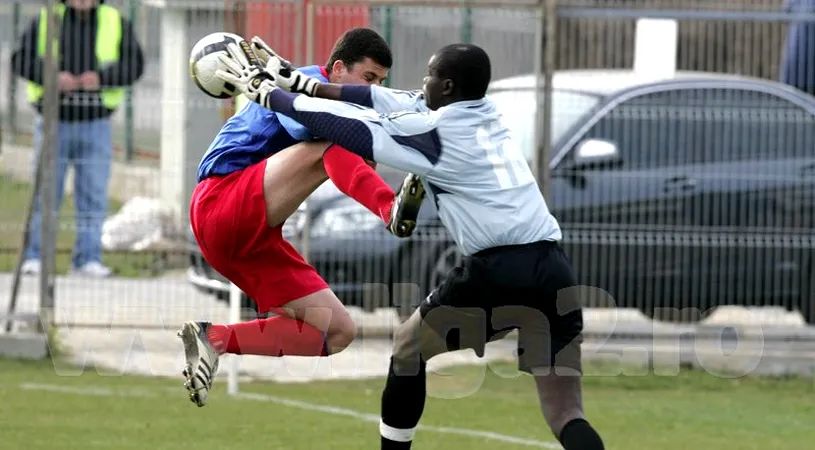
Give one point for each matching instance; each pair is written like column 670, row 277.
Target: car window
column 517, row 108
column 694, row 126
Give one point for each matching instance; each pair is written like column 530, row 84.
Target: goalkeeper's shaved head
column 457, row 72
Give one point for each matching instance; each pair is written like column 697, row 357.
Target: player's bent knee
column 341, row 335
column 407, row 339
column 324, row 311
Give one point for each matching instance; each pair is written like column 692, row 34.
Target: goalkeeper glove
column 265, row 53
column 245, row 72
column 284, row 73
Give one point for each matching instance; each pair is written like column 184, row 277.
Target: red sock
column 276, row 336
column 356, row 179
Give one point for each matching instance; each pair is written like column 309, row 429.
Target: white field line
column 326, row 409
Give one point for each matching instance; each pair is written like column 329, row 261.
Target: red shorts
column 228, row 216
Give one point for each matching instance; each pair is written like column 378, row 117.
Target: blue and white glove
column 284, row 73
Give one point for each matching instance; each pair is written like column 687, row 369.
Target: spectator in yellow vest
column 98, row 56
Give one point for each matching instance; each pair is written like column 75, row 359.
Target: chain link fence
column 677, row 153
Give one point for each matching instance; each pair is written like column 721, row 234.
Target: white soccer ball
column 204, row 63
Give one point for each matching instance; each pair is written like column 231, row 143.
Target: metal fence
column 702, row 194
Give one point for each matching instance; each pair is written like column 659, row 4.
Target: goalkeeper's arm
column 387, row 139
column 382, row 100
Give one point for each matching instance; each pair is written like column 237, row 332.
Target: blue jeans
column 88, row 146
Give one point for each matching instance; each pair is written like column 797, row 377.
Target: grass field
column 689, row 411
column 14, row 199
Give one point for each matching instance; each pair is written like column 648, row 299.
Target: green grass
column 688, row 411
column 15, row 197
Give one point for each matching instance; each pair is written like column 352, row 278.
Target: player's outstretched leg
column 238, row 221
column 202, row 361
column 315, row 325
column 356, row 179
column 294, row 173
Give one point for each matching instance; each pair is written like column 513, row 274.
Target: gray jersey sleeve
column 384, row 100
column 406, row 140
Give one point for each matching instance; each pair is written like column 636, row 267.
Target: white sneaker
column 202, row 361
column 92, row 269
column 32, row 267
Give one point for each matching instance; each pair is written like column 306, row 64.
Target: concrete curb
column 643, row 354
column 30, row 346
column 700, row 355
column 642, row 330
column 760, row 333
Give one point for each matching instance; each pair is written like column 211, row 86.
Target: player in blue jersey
column 260, row 167
column 514, row 275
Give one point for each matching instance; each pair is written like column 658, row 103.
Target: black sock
column 402, row 404
column 579, row 435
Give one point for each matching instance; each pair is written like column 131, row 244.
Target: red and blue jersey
column 253, row 134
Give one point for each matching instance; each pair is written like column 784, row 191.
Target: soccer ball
column 204, row 63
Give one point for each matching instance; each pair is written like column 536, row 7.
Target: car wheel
column 249, row 309
column 446, row 259
column 424, row 266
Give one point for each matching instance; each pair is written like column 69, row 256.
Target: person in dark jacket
column 98, row 57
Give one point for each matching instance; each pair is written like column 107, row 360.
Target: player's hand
column 291, row 80
column 265, row 53
column 286, row 75
column 284, row 72
column 246, row 73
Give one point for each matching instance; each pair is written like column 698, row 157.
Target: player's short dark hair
column 357, row 44
column 468, row 66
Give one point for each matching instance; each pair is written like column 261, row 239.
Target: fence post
column 467, row 25
column 133, row 12
column 12, row 107
column 48, row 162
column 310, row 33
column 299, row 17
column 235, row 15
column 543, row 134
column 388, row 33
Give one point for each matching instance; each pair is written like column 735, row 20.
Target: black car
column 676, row 194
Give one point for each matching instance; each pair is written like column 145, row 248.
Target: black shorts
column 529, row 287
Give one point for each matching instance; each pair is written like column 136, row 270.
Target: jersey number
column 508, row 163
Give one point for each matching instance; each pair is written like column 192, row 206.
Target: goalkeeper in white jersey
column 514, row 274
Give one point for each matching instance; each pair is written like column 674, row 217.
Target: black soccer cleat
column 406, row 206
